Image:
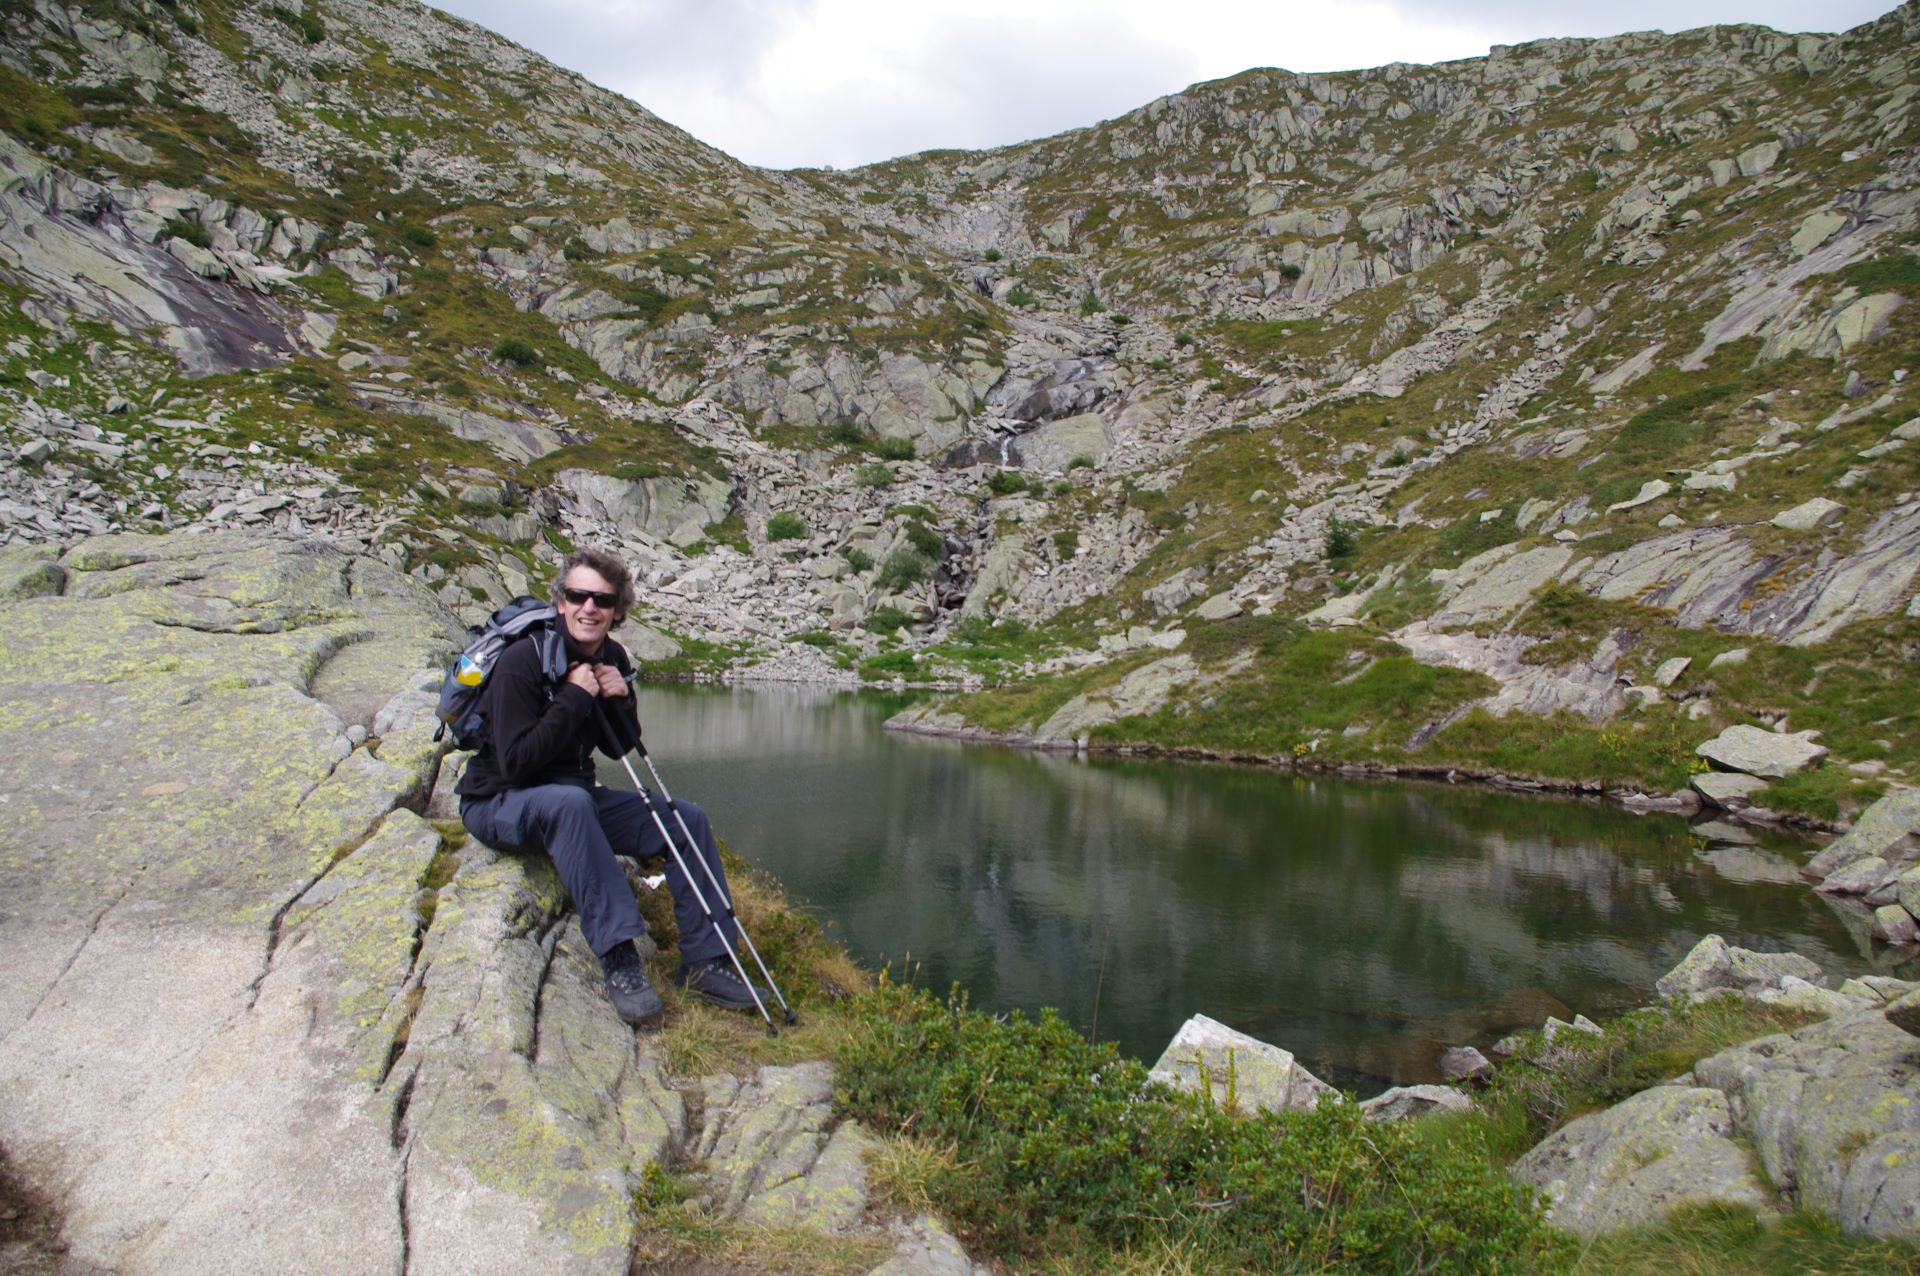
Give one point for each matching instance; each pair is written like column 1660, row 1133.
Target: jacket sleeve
column 531, row 732
column 624, row 713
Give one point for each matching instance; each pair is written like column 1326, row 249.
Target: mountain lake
column 1363, row 925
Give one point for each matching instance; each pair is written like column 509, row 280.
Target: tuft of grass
column 1889, row 272
column 1708, row 1240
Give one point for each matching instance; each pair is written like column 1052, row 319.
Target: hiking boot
column 718, row 983
column 633, row 996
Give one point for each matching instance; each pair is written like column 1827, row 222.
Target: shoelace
column 628, row 979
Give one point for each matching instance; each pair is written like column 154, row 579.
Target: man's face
column 587, row 620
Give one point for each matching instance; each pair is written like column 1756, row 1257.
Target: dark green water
column 1362, row 925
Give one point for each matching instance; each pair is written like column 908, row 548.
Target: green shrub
column 1183, row 339
column 419, row 237
column 895, row 448
column 859, row 559
column 1067, row 543
column 1021, row 297
column 1091, row 304
column 785, row 527
column 641, row 301
column 926, row 540
column 885, row 620
column 993, row 254
column 1080, row 462
column 1340, row 539
column 903, row 567
column 516, row 351
column 1006, row 482
column 892, row 662
column 845, row 432
column 190, row 230
column 306, row 23
column 875, row 474
column 1055, row 1140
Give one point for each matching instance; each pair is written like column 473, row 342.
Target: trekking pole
column 718, row 889
column 673, row 849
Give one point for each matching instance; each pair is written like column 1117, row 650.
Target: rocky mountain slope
column 1543, row 413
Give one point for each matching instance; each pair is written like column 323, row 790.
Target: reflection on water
column 1361, row 925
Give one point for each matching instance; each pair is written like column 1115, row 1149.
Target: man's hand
column 612, row 685
column 586, row 677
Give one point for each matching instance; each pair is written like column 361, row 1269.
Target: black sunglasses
column 578, row 597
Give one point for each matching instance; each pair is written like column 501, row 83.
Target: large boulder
column 1833, row 1110
column 1407, row 1102
column 1889, row 829
column 1631, row 1164
column 1771, row 755
column 1715, row 966
column 348, row 1071
column 1055, row 445
column 1143, row 691
column 1238, row 1072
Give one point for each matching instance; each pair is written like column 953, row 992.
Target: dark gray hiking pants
column 582, row 830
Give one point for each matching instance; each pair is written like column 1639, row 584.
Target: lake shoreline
column 1683, row 802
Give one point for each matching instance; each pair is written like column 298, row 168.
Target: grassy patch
column 1546, row 1084
column 1709, row 1240
column 1061, row 1147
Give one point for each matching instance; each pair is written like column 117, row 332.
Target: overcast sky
column 796, row 83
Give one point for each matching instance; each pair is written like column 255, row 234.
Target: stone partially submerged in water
column 1715, row 966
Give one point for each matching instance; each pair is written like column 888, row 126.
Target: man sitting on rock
column 531, row 787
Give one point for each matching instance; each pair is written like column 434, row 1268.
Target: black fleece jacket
column 539, row 732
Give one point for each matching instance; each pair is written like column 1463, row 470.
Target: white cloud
column 788, row 83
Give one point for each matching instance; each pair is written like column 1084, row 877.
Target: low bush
column 884, row 620
column 875, row 474
column 925, row 540
column 785, row 526
column 895, row 448
column 190, row 230
column 1006, row 482
column 516, row 351
column 903, row 567
column 888, row 664
column 419, row 237
column 859, row 559
column 1340, row 540
column 1062, row 1144
column 847, row 434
